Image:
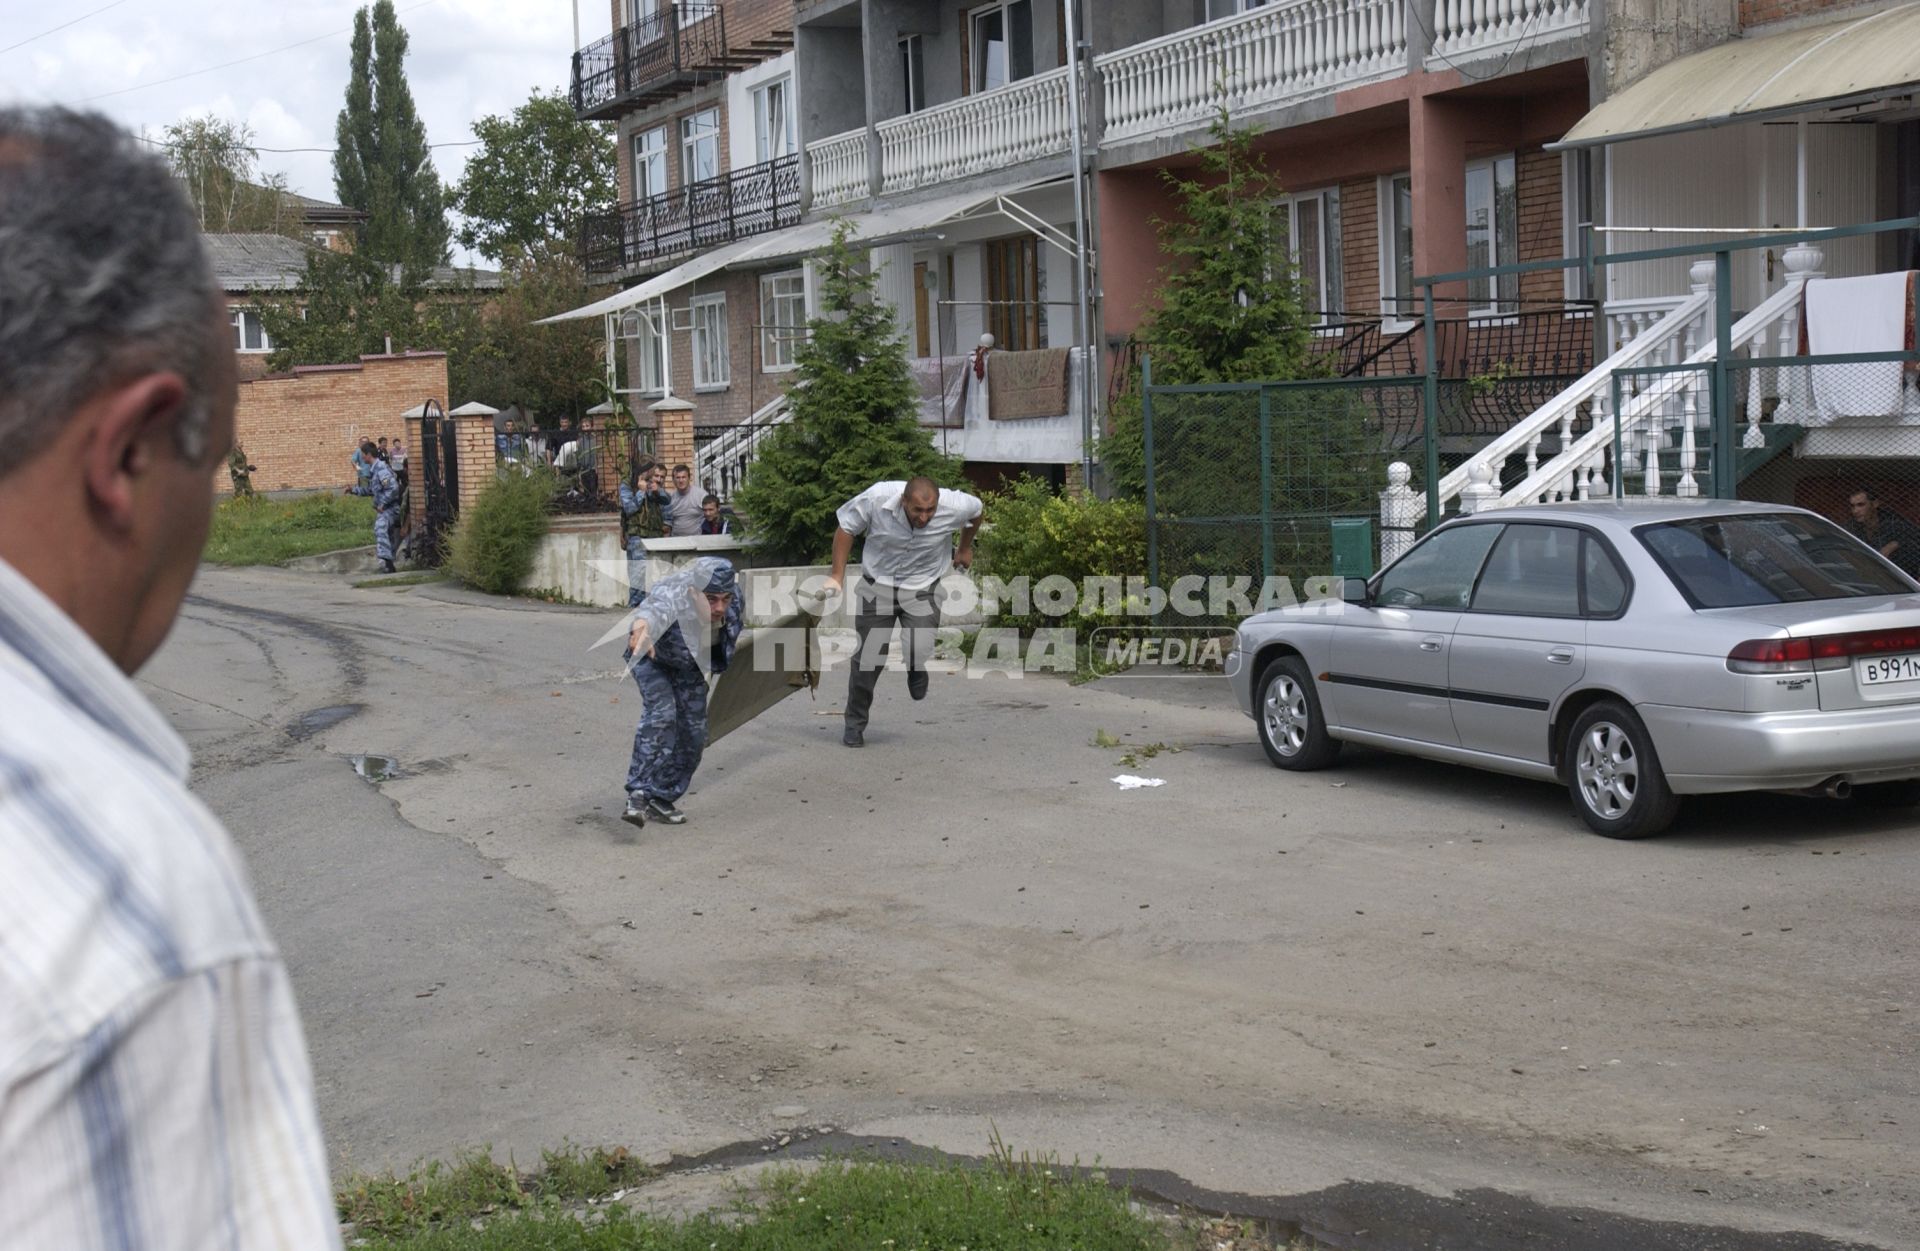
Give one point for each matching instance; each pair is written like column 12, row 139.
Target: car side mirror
column 1354, row 591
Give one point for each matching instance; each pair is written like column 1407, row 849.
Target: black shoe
column 386, row 566
column 664, row 812
column 854, row 738
column 636, row 813
column 917, row 683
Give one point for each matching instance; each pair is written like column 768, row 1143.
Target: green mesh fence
column 1248, row 480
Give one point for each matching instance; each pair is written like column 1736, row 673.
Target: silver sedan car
column 1633, row 651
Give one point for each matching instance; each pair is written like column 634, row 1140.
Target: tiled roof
column 279, row 263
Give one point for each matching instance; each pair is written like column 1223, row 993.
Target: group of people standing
column 380, row 470
column 650, row 510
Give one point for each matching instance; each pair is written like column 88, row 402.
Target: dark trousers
column 877, row 608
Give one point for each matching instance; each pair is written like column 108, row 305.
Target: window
column 1534, row 571
column 1742, row 560
column 1217, row 9
column 642, row 329
column 913, row 74
column 1016, row 294
column 1493, row 235
column 248, row 334
column 711, row 366
column 1601, row 582
column 773, row 120
column 1397, row 220
column 637, row 11
column 1313, row 239
column 783, row 318
column 1440, row 572
column 1001, row 38
column 699, row 146
column 649, row 163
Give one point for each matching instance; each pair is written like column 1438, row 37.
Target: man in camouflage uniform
column 386, row 499
column 642, row 516
column 685, row 628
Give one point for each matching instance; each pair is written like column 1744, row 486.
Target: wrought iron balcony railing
column 645, row 61
column 733, row 206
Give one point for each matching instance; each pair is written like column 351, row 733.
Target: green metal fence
column 1265, row 479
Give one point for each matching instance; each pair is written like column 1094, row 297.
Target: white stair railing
column 721, row 466
column 1668, row 402
column 1665, row 342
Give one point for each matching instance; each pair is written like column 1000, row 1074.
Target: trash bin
column 1353, row 547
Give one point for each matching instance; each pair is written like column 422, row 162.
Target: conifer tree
column 381, row 163
column 854, row 420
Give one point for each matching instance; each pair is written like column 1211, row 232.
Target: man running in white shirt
column 909, row 528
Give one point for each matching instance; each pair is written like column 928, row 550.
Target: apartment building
column 1414, row 137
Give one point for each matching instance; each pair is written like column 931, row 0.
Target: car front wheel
column 1288, row 711
column 1614, row 775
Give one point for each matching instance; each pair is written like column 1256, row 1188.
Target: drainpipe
column 1083, row 308
column 576, row 25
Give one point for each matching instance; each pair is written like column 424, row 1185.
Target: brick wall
column 1360, row 246
column 300, row 429
column 1542, row 227
column 1761, row 12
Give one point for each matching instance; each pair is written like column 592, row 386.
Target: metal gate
column 440, row 477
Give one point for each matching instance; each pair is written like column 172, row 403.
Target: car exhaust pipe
column 1836, row 787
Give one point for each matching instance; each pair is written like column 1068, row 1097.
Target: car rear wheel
column 1614, row 775
column 1287, row 709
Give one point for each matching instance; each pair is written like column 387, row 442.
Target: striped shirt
column 154, row 1085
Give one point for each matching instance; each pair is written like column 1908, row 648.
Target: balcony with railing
column 1463, row 28
column 650, row 60
column 1272, row 56
column 719, row 210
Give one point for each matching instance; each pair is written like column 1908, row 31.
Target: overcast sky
column 465, row 59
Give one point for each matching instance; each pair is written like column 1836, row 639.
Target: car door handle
column 1432, row 643
column 1560, row 656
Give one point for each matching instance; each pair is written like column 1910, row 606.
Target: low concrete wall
column 582, row 559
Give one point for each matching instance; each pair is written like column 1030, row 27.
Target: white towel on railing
column 1858, row 315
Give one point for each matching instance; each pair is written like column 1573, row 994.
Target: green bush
column 1033, row 533
column 496, row 537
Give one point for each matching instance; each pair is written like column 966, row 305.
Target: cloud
column 466, row 59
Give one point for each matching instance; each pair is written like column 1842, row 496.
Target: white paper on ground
column 1128, row 782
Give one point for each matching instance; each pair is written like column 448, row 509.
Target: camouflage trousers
column 384, row 522
column 672, row 734
column 636, row 570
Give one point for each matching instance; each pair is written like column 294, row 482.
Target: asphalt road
column 1397, row 1003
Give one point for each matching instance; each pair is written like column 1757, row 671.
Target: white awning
column 871, row 229
column 1746, row 80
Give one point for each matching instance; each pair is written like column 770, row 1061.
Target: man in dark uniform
column 685, row 628
column 1885, row 531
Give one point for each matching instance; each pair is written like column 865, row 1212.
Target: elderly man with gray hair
column 154, row 1082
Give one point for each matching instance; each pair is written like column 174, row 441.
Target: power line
column 159, row 143
column 160, row 82
column 62, row 26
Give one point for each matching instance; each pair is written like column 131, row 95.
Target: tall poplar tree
column 381, row 163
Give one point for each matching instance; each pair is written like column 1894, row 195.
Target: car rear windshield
column 1767, row 558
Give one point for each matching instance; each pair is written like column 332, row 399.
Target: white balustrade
column 977, row 133
column 1401, row 508
column 721, row 466
column 838, row 167
column 1269, row 55
column 1470, row 27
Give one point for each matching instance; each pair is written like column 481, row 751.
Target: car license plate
column 1876, row 670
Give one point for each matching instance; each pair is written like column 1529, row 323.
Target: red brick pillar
column 673, row 443
column 474, row 458
column 416, row 488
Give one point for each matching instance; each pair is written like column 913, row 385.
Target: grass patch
column 475, row 1185
column 421, row 578
column 258, row 531
column 1010, row 1206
